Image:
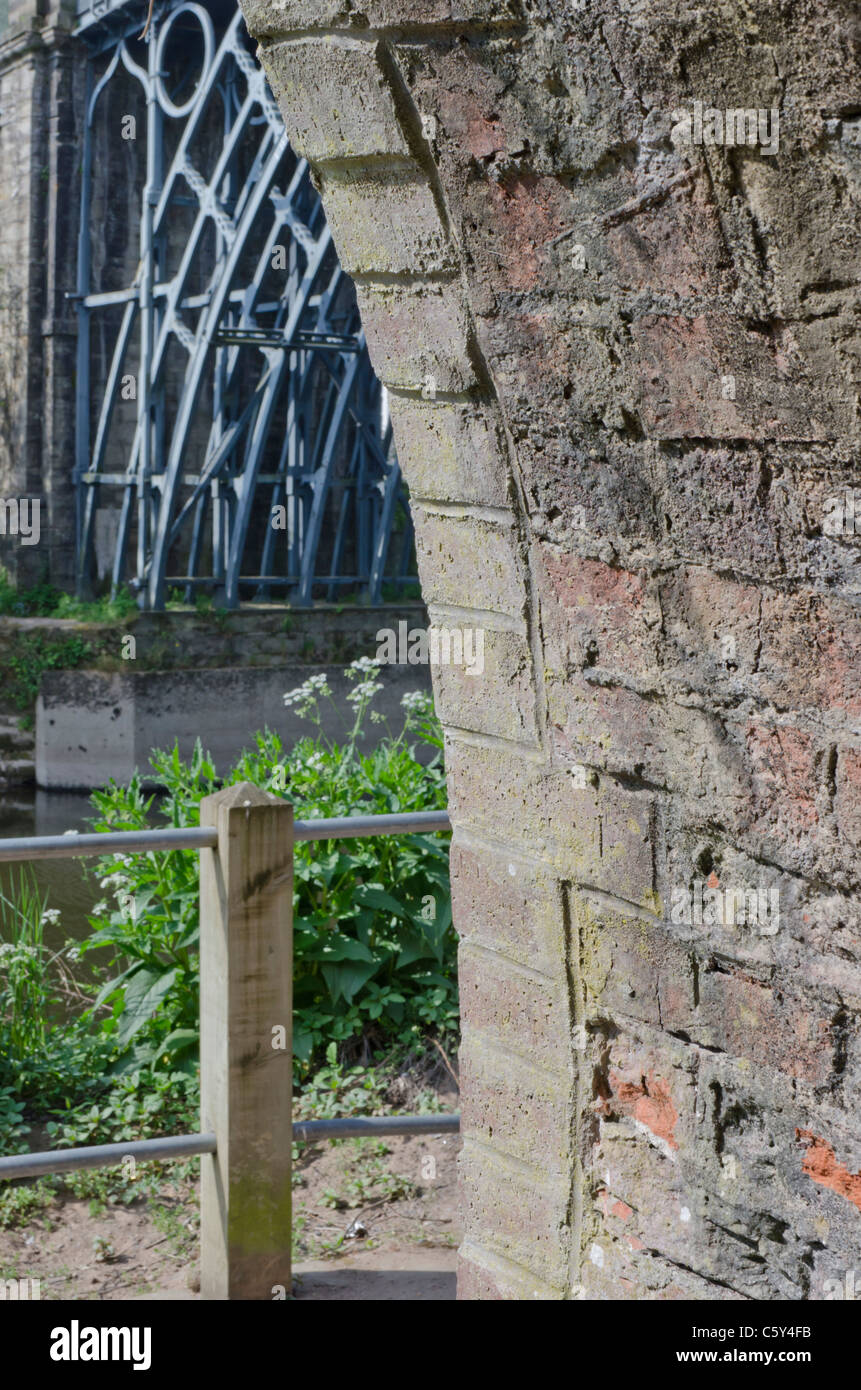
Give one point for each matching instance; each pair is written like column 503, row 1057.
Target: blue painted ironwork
column 264, row 465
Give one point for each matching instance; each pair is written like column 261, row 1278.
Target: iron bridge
column 231, row 436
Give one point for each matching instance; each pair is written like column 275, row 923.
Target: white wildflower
column 362, row 666
column 416, row 702
column 365, row 690
column 114, row 881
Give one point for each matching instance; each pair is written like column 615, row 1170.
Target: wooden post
column 246, row 1044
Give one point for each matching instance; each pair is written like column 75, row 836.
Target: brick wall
column 623, row 369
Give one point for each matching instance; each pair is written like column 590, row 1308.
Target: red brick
column 599, row 615
column 679, row 366
column 769, row 1025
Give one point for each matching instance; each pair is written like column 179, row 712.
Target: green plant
column 13, row 1130
column 34, row 653
column 335, row 1091
column 373, row 1182
column 45, row 600
column 21, row 1202
column 142, row 1104
column 179, row 1220
column 24, row 988
column 374, row 949
column 121, row 606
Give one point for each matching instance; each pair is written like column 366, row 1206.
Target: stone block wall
column 623, row 362
column 41, row 98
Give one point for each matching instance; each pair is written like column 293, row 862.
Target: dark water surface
column 71, row 884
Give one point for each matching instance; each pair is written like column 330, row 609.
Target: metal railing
column 246, row 841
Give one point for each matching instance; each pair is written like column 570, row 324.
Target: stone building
column 621, row 245
column 606, row 263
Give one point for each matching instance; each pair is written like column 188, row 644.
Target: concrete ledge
column 92, row 726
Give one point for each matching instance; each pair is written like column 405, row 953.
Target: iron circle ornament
column 200, row 14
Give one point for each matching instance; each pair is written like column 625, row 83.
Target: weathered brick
column 612, row 1271
column 334, row 99
column 599, row 615
column 267, row 17
column 712, row 628
column 515, row 1008
column 446, row 544
column 386, row 223
column 678, row 414
column 633, row 967
column 811, row 653
column 483, row 1275
column 644, row 1208
column 516, row 1212
column 662, row 742
column 848, row 796
column 769, row 1024
column 499, row 698
column 680, row 366
column 786, row 768
column 510, row 1105
column 450, row 452
column 507, row 904
column 601, row 837
column 417, row 336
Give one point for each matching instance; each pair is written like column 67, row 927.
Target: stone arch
column 590, row 322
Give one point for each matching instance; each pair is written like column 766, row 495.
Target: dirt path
column 373, row 1219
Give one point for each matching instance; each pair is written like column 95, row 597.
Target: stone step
column 17, row 772
column 11, row 736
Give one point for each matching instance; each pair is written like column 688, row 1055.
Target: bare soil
column 373, row 1219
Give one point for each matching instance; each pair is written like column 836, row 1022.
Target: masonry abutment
column 621, row 377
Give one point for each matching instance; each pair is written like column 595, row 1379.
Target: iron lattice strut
column 227, row 411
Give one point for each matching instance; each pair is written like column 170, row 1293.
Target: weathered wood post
column 246, row 1036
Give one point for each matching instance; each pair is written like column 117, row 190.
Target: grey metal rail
column 37, row 1165
column 108, row 842
column 73, row 846
column 374, row 1126
column 205, row 836
column 357, row 827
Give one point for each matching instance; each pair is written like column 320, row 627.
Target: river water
column 71, row 885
